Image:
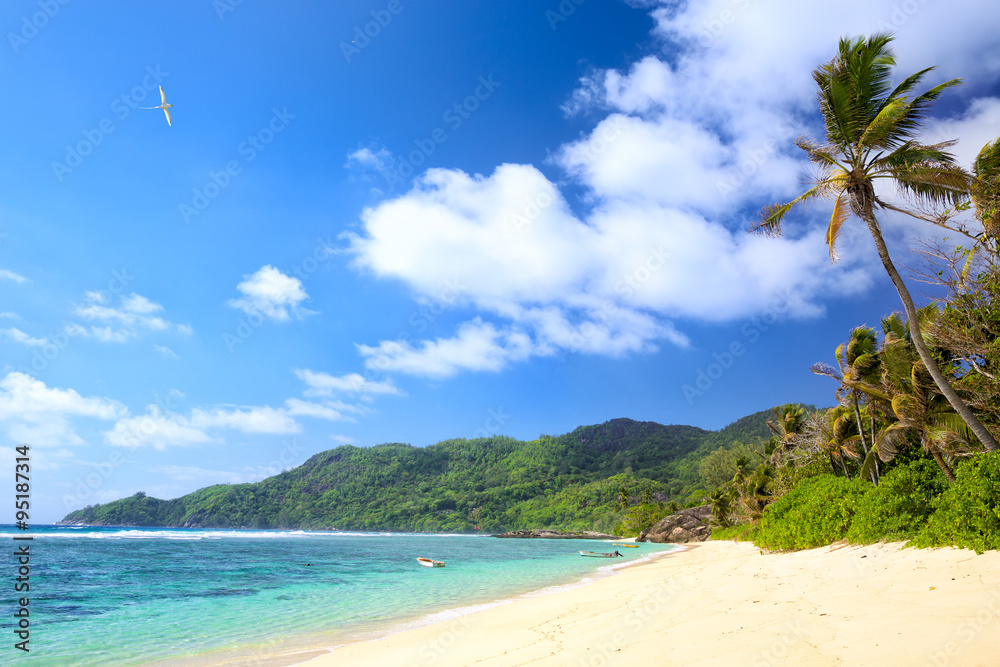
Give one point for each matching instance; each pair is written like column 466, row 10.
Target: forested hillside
column 573, row 482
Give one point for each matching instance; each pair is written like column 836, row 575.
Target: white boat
column 429, row 562
column 599, row 554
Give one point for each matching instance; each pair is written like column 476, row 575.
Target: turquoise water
column 113, row 596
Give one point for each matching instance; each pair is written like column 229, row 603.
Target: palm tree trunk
column 941, row 463
column 863, row 209
column 861, row 434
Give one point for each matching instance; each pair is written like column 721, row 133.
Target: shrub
column 901, row 504
column 816, row 512
column 742, row 533
column 967, row 514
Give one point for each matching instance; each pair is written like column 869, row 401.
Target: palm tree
column 787, row 424
column 985, row 191
column 870, row 130
column 921, row 411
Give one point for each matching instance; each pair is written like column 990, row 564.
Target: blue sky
column 404, row 222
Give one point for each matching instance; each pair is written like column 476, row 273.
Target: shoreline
column 305, row 649
column 725, row 603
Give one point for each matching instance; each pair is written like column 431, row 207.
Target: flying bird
column 164, row 105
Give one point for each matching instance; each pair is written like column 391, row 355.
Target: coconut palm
column 985, row 191
column 921, row 412
column 870, row 131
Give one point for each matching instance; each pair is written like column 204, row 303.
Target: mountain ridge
column 572, row 482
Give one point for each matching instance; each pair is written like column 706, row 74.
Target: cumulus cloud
column 271, row 293
column 41, row 415
column 686, row 145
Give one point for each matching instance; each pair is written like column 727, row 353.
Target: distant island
column 586, row 480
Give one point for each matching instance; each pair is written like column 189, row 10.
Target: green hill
column 568, row 482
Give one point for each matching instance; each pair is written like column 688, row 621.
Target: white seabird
column 163, row 105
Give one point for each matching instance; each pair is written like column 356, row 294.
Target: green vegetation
column 909, row 452
column 622, row 475
column 817, row 511
column 900, row 505
column 967, row 514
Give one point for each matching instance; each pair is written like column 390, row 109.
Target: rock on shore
column 688, row 525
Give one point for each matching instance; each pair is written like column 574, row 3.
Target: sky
column 398, row 221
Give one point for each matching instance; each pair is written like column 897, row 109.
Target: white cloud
column 155, row 429
column 130, row 320
column 159, row 429
column 263, row 419
column 19, row 336
column 166, row 351
column 691, row 144
column 10, row 315
column 6, row 274
column 272, row 294
column 40, row 415
column 324, row 384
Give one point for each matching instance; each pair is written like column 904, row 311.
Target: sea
column 192, row 597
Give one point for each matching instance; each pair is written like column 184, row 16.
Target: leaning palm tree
column 921, row 412
column 870, row 131
column 985, row 191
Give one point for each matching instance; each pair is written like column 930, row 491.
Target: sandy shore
column 723, row 603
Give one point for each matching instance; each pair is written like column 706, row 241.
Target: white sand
column 725, row 603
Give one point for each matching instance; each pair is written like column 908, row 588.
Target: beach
column 726, row 603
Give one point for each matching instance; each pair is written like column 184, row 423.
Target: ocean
column 148, row 596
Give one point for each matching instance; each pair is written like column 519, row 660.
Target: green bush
column 744, row 532
column 901, row 504
column 967, row 514
column 816, row 512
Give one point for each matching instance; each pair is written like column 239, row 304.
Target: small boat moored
column 429, row 562
column 599, row 554
column 628, row 546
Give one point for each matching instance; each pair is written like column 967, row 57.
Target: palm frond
column 869, row 466
column 770, row 217
column 908, row 84
column 985, row 191
column 891, row 440
column 883, row 131
column 841, row 211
